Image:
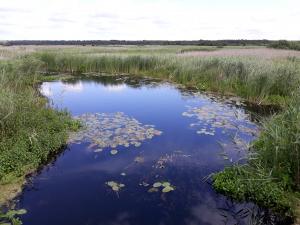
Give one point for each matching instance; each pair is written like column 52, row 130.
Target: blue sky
column 149, row 19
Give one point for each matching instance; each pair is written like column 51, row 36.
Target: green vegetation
column 283, row 44
column 269, row 178
column 260, row 81
column 272, row 176
column 11, row 217
column 248, row 183
column 30, row 131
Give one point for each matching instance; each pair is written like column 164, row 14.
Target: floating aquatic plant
column 157, row 184
column 153, row 189
column 139, row 159
column 109, row 130
column 113, row 152
column 115, row 186
column 98, row 150
column 166, row 187
column 213, row 116
column 145, row 184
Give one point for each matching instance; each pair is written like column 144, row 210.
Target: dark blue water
column 72, row 190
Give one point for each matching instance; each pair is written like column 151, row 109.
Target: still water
column 137, row 133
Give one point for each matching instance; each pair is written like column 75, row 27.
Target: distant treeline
column 283, row 44
column 142, row 42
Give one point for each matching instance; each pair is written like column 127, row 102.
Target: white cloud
column 46, row 89
column 78, row 87
column 116, row 88
column 145, row 19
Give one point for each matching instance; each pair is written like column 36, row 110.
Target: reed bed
column 259, row 81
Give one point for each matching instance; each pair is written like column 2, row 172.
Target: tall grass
column 278, row 146
column 271, row 177
column 29, row 129
column 260, row 81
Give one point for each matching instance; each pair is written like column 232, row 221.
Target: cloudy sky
column 149, row 19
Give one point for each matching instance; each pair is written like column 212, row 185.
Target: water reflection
column 74, row 188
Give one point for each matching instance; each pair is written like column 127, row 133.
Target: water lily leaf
column 113, row 152
column 153, row 189
column 139, row 159
column 145, row 184
column 112, row 130
column 111, row 183
column 165, row 184
column 137, row 144
column 98, row 150
column 167, row 189
column 115, row 188
column 157, row 184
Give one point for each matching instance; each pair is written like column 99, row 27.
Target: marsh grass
column 29, row 130
column 260, row 81
column 271, row 178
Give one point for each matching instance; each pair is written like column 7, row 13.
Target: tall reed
column 256, row 80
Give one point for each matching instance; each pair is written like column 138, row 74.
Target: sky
column 149, row 19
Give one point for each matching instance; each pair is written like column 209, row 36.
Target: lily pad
column 167, row 189
column 110, row 130
column 113, row 152
column 98, row 150
column 165, row 184
column 115, row 186
column 145, row 184
column 139, row 159
column 227, row 118
column 157, row 184
column 153, row 189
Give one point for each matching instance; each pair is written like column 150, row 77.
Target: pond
column 143, row 156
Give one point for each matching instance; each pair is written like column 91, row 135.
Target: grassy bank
column 260, row 81
column 30, row 131
column 272, row 176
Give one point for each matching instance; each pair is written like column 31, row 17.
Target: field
column 31, row 131
column 265, row 53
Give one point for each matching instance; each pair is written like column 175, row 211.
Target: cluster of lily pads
column 109, row 130
column 165, row 187
column 213, row 116
column 115, row 186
